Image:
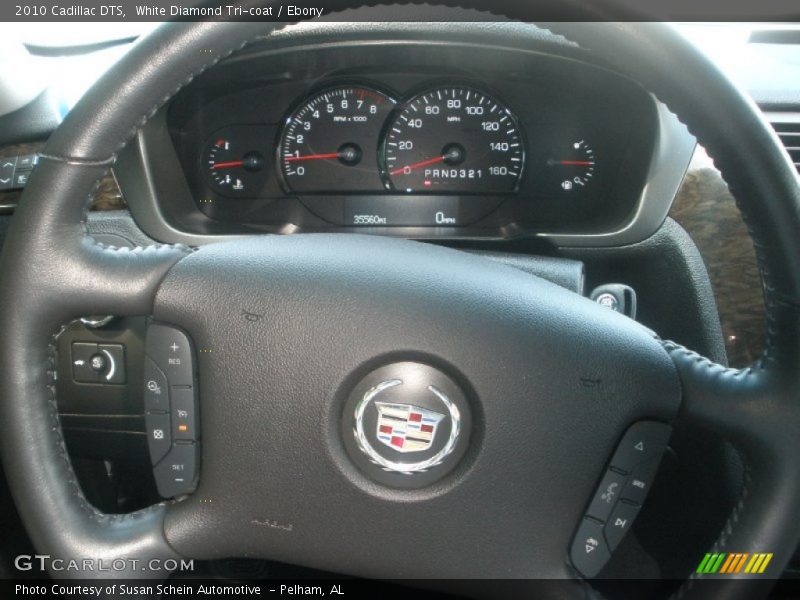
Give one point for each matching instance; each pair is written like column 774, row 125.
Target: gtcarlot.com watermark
column 44, row 562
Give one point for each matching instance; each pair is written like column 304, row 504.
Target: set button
column 176, row 474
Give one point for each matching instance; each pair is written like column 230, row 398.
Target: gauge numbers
column 330, row 142
column 453, row 139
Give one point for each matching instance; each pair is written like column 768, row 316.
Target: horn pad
column 406, row 425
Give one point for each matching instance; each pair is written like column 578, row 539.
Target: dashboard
column 422, row 138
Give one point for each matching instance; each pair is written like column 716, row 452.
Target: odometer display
column 330, row 142
column 453, row 140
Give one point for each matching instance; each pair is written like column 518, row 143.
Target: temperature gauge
column 574, row 168
column 233, row 171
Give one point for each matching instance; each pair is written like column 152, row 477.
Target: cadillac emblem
column 406, row 437
column 406, row 428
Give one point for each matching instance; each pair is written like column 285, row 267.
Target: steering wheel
column 278, row 477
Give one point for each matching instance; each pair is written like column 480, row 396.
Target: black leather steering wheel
column 336, row 306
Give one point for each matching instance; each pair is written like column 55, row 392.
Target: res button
column 170, row 350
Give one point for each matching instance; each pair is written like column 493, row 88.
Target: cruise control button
column 158, row 435
column 175, row 475
column 643, row 441
column 170, row 350
column 156, row 388
column 98, row 363
column 640, row 480
column 114, row 355
column 183, row 414
column 82, row 368
column 589, row 552
column 607, row 494
column 619, row 523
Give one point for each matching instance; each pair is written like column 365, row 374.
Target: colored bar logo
column 732, row 563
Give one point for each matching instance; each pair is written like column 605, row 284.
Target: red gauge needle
column 312, row 157
column 585, row 163
column 419, row 165
column 228, row 165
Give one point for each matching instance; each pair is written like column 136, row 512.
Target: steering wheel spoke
column 52, row 273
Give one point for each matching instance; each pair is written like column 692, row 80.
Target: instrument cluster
column 350, row 139
column 564, row 148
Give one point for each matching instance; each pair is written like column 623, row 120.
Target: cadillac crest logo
column 406, row 428
column 387, row 429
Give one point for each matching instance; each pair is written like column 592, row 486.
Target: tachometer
column 454, row 139
column 330, row 142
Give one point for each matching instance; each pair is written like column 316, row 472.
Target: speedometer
column 454, row 140
column 330, row 142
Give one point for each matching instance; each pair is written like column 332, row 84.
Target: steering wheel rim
column 52, row 268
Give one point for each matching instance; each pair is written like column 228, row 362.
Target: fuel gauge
column 573, row 168
column 231, row 170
